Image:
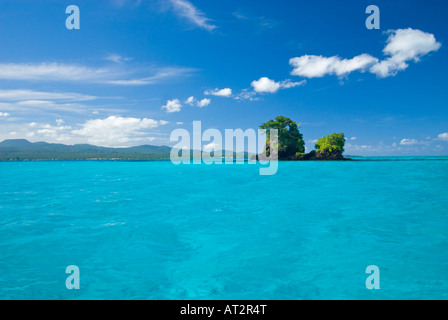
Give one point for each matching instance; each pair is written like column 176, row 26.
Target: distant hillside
column 21, row 149
column 25, row 150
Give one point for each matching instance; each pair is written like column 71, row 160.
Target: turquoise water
column 152, row 230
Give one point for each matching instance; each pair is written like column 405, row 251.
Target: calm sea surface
column 153, row 230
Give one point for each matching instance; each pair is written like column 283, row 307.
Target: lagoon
column 153, row 230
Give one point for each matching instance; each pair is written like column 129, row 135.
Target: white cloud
column 286, row 84
column 209, row 147
column 4, row 114
column 117, row 58
column 179, row 123
column 66, row 72
column 310, row 66
column 50, row 71
column 55, row 132
column 404, row 45
column 117, row 131
column 59, row 121
column 203, row 103
column 443, row 136
column 245, row 94
column 157, row 76
column 188, row 11
column 408, row 142
column 114, row 131
column 190, row 101
column 172, row 106
column 16, row 95
column 227, row 92
column 353, row 138
column 266, row 85
column 43, row 106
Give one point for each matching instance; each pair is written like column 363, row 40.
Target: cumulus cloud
column 227, row 92
column 172, row 106
column 116, row 131
column 204, row 103
column 443, row 136
column 403, row 45
column 4, row 114
column 310, row 66
column 266, row 85
column 188, row 11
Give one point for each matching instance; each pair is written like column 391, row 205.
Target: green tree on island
column 290, row 140
column 291, row 145
column 331, row 143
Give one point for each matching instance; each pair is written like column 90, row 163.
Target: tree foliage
column 290, row 140
column 330, row 143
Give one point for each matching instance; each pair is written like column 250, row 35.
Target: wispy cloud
column 159, row 76
column 17, row 95
column 53, row 72
column 117, row 58
column 27, row 102
column 45, row 72
column 260, row 22
column 188, row 11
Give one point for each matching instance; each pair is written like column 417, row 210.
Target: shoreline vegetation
column 291, row 146
column 24, row 150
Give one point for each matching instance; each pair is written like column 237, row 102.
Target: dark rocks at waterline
column 312, row 156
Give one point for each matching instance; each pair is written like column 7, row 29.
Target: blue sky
column 125, row 76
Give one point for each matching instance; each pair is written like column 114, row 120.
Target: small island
column 291, row 146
